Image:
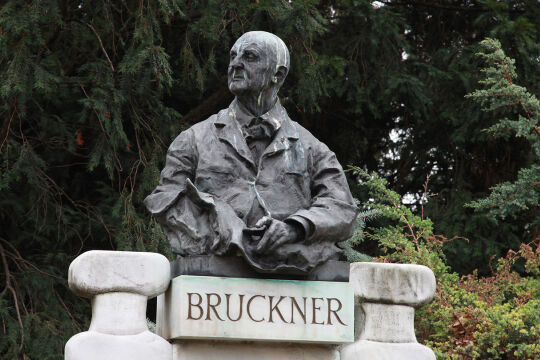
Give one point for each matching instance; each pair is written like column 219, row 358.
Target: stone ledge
column 406, row 284
column 237, row 267
column 199, row 350
column 98, row 271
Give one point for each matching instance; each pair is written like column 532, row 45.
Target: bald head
column 275, row 48
column 259, row 63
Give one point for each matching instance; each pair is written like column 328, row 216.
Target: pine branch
column 508, row 78
column 99, row 40
column 107, row 136
column 512, row 197
column 440, row 6
column 509, row 198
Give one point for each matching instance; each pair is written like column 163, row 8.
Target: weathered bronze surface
column 250, row 180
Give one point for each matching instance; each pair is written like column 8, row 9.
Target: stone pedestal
column 119, row 284
column 241, row 318
column 386, row 296
column 370, row 317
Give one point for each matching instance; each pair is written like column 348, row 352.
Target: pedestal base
column 92, row 345
column 371, row 350
column 204, row 350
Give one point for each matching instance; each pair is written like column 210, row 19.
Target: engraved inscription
column 235, row 307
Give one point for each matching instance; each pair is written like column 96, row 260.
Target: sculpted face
column 258, row 62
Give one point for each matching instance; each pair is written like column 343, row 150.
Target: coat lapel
column 287, row 131
column 228, row 130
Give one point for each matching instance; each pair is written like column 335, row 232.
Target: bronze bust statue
column 249, row 180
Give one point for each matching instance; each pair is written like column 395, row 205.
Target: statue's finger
column 262, row 243
column 277, row 243
column 267, row 237
column 264, row 221
column 254, row 231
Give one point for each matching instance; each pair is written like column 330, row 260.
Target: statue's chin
column 248, row 94
column 237, row 83
column 238, row 88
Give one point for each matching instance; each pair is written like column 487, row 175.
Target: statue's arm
column 175, row 203
column 180, row 165
column 332, row 212
column 194, row 222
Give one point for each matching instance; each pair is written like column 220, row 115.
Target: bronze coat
column 211, row 188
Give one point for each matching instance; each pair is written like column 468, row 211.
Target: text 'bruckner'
column 231, row 307
column 206, row 307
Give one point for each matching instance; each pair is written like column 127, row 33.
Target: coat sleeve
column 194, row 222
column 332, row 213
column 180, row 165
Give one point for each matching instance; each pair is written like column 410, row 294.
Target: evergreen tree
column 502, row 97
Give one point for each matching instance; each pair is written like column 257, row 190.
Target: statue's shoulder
column 305, row 136
column 195, row 134
column 203, row 127
column 303, row 133
column 311, row 145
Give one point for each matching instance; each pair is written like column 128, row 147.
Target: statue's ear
column 280, row 74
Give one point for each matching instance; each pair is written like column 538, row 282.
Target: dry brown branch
column 141, row 120
column 16, row 255
column 13, row 293
column 100, row 44
column 67, row 310
column 413, row 235
column 6, row 127
column 424, row 196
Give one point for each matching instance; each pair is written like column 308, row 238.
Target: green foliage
column 503, row 98
column 471, row 317
column 82, row 126
column 350, row 245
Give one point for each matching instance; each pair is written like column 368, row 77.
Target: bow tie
column 258, row 128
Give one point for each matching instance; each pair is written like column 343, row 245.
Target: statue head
column 259, row 63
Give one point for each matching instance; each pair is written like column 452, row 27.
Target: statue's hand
column 277, row 233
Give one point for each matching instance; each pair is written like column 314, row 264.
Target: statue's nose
column 236, row 63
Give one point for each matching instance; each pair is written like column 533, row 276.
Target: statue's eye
column 250, row 55
column 233, row 55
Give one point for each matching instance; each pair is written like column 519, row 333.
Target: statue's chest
column 281, row 172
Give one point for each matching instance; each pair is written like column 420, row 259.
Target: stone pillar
column 385, row 298
column 119, row 284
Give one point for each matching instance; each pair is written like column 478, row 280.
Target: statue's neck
column 260, row 103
